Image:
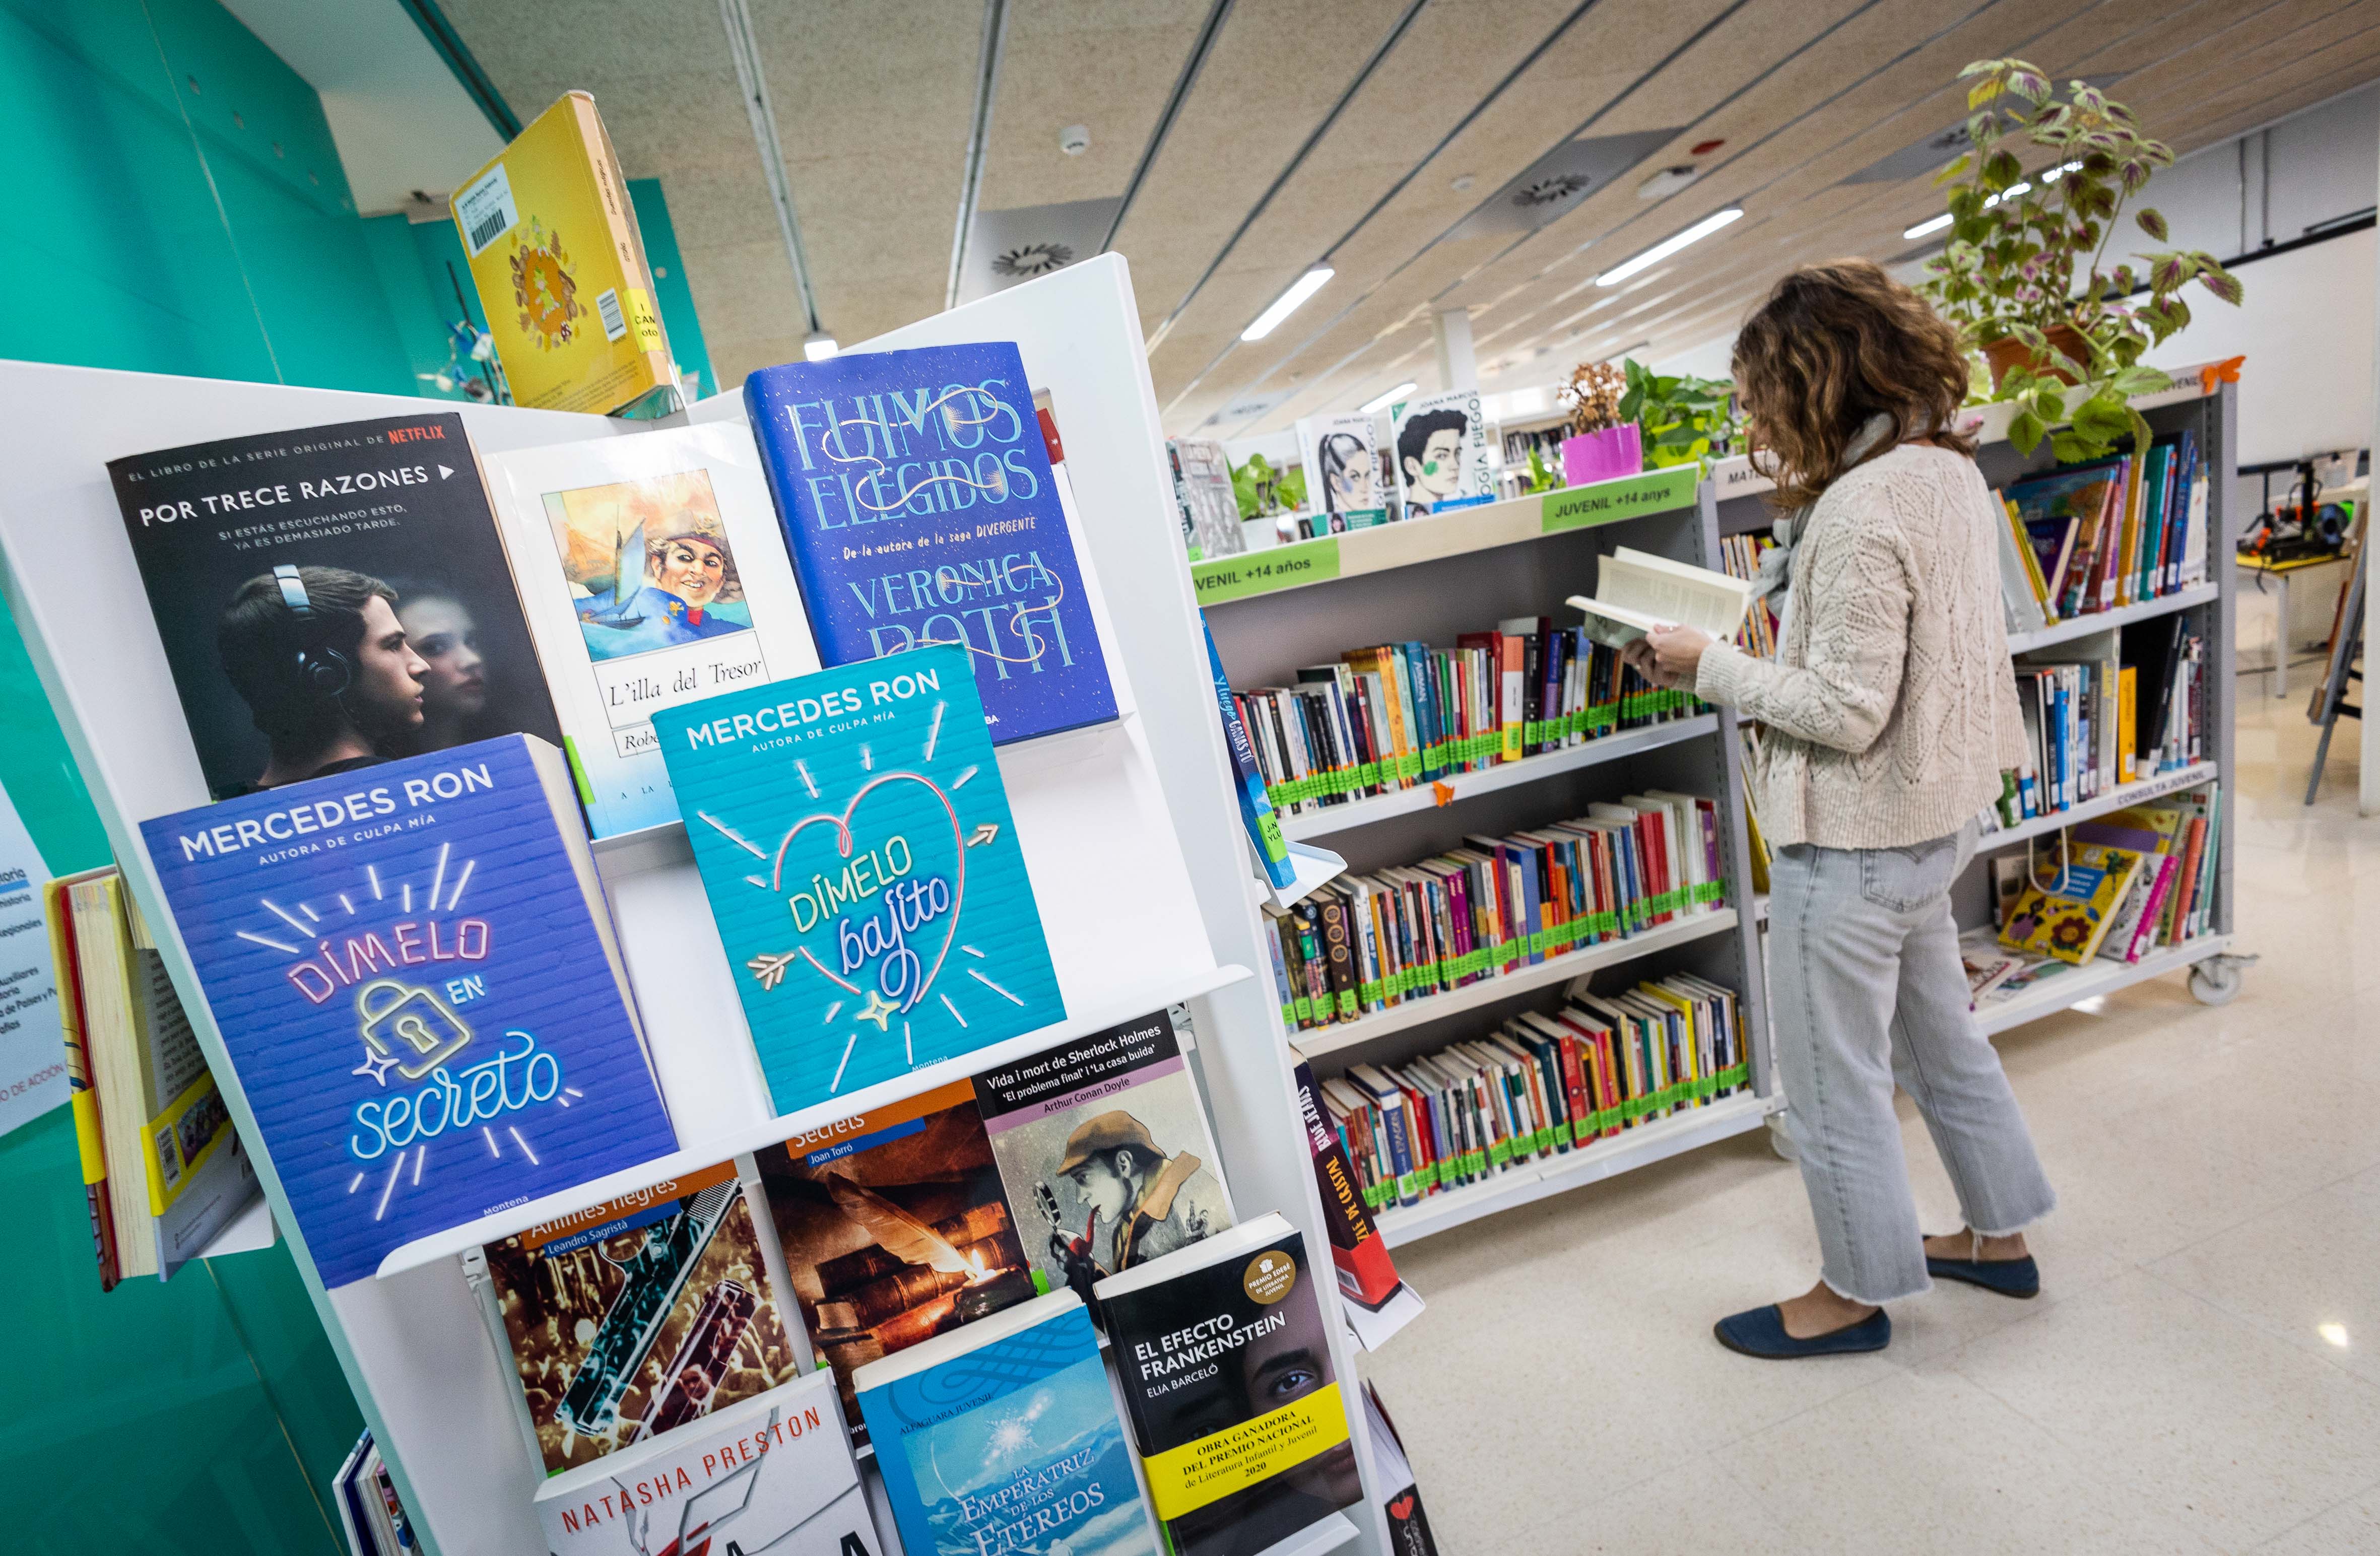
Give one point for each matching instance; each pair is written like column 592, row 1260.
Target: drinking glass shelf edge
column 1488, row 991
column 728, row 1143
column 1332, row 819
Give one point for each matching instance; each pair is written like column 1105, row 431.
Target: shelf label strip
column 1607, row 501
column 1260, row 572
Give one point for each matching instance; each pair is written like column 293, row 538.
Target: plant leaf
column 2152, row 222
column 2024, row 430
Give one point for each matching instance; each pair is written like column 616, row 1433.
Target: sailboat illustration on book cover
column 864, row 870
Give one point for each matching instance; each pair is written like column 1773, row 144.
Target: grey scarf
column 1776, row 577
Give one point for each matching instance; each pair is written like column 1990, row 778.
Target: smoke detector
column 1074, row 139
column 1666, row 182
column 1462, row 182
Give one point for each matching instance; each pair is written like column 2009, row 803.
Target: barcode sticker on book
column 607, row 307
column 486, row 210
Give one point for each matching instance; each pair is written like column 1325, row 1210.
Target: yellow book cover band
column 182, row 1139
column 555, row 250
column 1209, row 1468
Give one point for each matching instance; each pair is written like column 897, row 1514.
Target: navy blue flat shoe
column 2010, row 1277
column 1760, row 1331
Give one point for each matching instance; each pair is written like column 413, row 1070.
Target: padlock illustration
column 411, row 1026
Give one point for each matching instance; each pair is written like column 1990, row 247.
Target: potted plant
column 1604, row 443
column 2024, row 278
column 1683, row 418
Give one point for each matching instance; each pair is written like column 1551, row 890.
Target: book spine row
column 2141, row 537
column 1740, row 555
column 1537, row 1088
column 1398, row 716
column 1370, row 942
column 2090, row 726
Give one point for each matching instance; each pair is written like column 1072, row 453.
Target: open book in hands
column 1635, row 591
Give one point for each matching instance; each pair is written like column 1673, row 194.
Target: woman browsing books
column 1892, row 712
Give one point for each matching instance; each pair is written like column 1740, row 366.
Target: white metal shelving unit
column 1130, row 830
column 2212, row 419
column 1432, row 580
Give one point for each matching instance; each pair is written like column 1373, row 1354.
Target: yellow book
column 2070, row 923
column 2031, row 563
column 560, row 266
column 58, row 909
column 2128, row 685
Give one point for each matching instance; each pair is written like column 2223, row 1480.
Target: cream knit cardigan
column 1891, row 705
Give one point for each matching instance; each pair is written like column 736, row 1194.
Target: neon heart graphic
column 843, row 846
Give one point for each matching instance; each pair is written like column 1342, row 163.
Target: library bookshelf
column 1432, row 580
column 2212, row 419
column 1130, row 830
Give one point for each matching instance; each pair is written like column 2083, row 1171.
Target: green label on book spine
column 1261, row 572
column 1607, row 501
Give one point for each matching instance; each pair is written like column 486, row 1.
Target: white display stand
column 1129, row 828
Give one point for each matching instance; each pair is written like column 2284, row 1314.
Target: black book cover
column 399, row 632
column 1225, row 1367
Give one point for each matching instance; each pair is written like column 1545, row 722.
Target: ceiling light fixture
column 818, row 346
column 1288, row 302
column 1668, row 247
column 2334, row 1332
column 1936, row 223
column 1374, row 407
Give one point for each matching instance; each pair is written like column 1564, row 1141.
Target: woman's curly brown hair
column 1834, row 345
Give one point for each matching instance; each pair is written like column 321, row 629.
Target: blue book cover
column 1004, row 1437
column 407, row 968
column 1255, row 808
column 918, row 500
column 863, row 868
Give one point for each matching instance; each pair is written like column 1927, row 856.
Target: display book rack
column 1432, row 580
column 1130, row 831
column 2212, row 419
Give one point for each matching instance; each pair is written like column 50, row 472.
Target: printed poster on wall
column 32, row 1048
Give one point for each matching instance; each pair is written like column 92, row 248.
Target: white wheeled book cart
column 1129, row 828
column 1432, row 580
column 2212, row 419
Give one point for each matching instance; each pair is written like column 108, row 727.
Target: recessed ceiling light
column 1670, row 246
column 1938, row 222
column 1288, row 302
column 1669, row 181
column 2334, row 1332
column 1933, row 225
column 1373, row 406
column 818, row 346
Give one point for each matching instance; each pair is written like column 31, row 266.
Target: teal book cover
column 854, row 841
column 1007, row 1443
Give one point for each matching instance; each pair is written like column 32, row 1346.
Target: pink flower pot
column 1605, row 455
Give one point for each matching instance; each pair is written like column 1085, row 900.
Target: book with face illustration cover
column 654, row 575
column 330, row 596
column 1105, row 1151
column 630, row 1318
column 1224, row 1363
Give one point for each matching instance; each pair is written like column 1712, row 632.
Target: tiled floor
column 2180, row 1385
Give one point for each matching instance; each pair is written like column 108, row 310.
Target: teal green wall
column 176, row 205
column 153, row 225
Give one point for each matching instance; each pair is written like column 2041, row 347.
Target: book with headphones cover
column 400, row 631
column 1105, row 1152
column 418, row 988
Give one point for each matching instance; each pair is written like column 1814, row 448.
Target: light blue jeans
column 1865, row 988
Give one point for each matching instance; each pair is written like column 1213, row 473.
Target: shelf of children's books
column 1327, row 1534
column 2122, row 615
column 1503, row 775
column 1640, row 1146
column 726, row 1143
column 2060, row 991
column 1389, row 546
column 2100, row 805
column 1518, row 980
